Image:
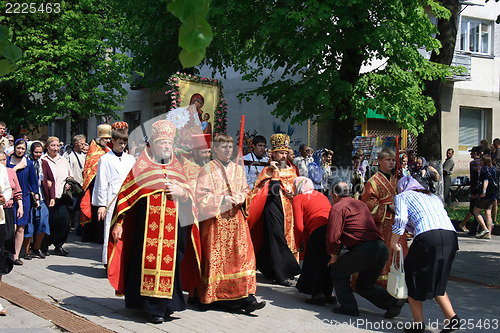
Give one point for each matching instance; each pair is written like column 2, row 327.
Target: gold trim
column 222, row 277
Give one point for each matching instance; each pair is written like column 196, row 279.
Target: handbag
column 396, row 284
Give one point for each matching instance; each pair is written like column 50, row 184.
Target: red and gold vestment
column 228, row 262
column 379, row 192
column 147, row 180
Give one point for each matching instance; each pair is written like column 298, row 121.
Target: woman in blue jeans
column 39, row 221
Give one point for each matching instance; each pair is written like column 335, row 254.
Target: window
column 133, row 119
column 475, row 36
column 60, row 129
column 472, row 127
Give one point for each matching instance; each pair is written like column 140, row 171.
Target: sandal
column 463, row 228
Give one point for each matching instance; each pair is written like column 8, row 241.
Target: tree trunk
column 429, row 142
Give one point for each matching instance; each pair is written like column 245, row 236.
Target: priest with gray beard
column 271, row 216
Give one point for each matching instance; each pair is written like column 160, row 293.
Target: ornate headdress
column 163, row 129
column 280, row 141
column 119, row 125
column 104, row 131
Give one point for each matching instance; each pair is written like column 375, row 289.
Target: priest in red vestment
column 92, row 229
column 154, row 240
column 378, row 195
column 228, row 263
column 271, row 216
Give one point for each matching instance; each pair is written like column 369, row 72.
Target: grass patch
column 458, row 213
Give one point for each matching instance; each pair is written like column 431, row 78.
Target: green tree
column 429, row 142
column 70, row 68
column 9, row 53
column 164, row 36
column 309, row 55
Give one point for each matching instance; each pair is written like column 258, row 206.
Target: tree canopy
column 310, row 56
column 70, row 68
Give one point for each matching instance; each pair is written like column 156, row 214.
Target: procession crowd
column 205, row 219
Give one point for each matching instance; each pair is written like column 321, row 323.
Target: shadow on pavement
column 96, row 271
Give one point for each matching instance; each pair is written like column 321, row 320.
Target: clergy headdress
column 163, row 129
column 280, row 141
column 120, row 125
column 104, row 131
column 201, row 141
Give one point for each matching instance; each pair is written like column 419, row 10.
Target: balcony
column 464, row 60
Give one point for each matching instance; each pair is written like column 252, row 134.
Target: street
column 78, row 284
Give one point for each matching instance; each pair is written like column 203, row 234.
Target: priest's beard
column 282, row 164
column 163, row 156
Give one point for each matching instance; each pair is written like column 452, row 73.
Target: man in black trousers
column 351, row 225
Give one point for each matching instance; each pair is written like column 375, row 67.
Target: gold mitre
column 163, row 129
column 104, row 131
column 280, row 141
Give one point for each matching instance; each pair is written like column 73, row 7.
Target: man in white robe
column 112, row 169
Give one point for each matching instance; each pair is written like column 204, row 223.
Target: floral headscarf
column 303, row 185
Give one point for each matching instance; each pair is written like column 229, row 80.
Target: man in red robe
column 228, row 263
column 91, row 230
column 154, row 228
column 271, row 216
column 378, row 195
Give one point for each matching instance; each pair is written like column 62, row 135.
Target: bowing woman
column 311, row 210
column 428, row 263
column 26, row 175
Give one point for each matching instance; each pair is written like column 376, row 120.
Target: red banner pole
column 398, row 170
column 240, row 141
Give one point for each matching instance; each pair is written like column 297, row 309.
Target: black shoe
column 156, row 319
column 345, row 311
column 451, row 325
column 27, row 256
column 38, row 254
column 284, row 283
column 46, row 253
column 253, row 306
column 60, row 251
column 18, row 262
column 331, row 300
column 416, row 328
column 317, row 301
column 395, row 309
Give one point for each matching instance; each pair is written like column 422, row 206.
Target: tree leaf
column 6, row 67
column 191, row 59
column 4, row 33
column 183, row 9
column 12, row 52
column 195, row 35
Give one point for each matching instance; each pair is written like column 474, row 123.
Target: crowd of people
column 203, row 222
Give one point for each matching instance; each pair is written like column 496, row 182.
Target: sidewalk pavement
column 78, row 284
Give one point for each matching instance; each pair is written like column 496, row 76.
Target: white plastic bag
column 396, row 284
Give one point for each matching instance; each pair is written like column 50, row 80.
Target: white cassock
column 111, row 172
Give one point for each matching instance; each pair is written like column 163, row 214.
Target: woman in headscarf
column 428, row 263
column 425, row 174
column 39, row 221
column 311, row 210
column 27, row 179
